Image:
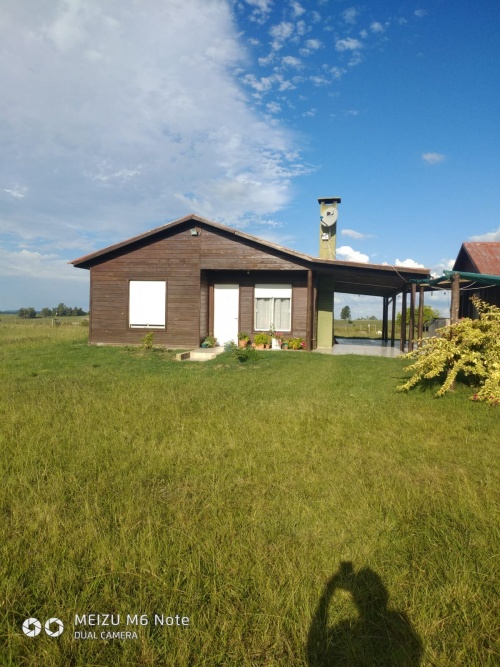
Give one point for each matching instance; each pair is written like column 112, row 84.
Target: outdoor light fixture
column 194, row 232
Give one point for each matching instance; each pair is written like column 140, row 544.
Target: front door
column 226, row 306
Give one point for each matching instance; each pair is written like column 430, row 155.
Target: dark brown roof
column 483, row 256
column 352, row 277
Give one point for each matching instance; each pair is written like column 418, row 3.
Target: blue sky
column 120, row 116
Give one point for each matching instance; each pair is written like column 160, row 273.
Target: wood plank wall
column 189, row 264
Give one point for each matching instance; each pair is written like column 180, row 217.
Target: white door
column 226, row 306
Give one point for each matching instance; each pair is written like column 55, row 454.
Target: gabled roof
column 483, row 255
column 350, row 277
column 176, row 223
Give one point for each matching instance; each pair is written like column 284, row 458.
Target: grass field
column 296, row 509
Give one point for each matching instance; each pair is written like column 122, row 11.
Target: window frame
column 141, row 326
column 272, row 291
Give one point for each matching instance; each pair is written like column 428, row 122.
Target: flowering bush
column 471, row 347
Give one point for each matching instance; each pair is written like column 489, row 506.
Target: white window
column 273, row 307
column 147, row 300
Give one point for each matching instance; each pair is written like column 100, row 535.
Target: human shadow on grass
column 378, row 637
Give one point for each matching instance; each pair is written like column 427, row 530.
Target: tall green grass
column 231, row 493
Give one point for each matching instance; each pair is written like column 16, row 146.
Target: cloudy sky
column 117, row 116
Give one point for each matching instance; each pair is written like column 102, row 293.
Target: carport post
column 385, row 310
column 455, row 298
column 402, row 340
column 420, row 315
column 411, row 328
column 393, row 320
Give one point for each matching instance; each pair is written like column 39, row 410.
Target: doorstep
column 200, row 354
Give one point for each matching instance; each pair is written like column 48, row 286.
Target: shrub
column 229, row 346
column 147, row 341
column 243, row 336
column 209, row 341
column 262, row 339
column 245, row 354
column 471, row 347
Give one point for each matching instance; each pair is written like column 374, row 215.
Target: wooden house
column 479, row 266
column 193, row 277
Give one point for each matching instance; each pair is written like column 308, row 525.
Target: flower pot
column 260, row 346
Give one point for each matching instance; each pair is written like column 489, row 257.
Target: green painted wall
column 325, row 312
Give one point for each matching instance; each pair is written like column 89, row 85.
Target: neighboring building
column 481, row 257
column 194, row 277
column 437, row 323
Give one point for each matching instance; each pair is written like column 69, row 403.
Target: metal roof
column 484, row 256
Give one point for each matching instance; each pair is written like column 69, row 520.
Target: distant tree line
column 60, row 311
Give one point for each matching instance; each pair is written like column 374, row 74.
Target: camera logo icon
column 53, row 627
column 49, row 627
column 32, row 627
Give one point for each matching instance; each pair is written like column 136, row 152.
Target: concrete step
column 200, row 354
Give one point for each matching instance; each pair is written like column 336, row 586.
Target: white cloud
column 433, row 158
column 409, row 263
column 291, row 61
column 261, row 11
column 313, row 44
column 273, row 107
column 37, row 265
column 347, row 254
column 377, row 27
column 129, row 119
column 319, row 80
column 420, row 13
column 297, row 9
column 348, row 44
column 355, row 235
column 489, row 236
column 356, row 59
column 281, row 33
column 19, row 193
column 350, row 15
column 443, row 265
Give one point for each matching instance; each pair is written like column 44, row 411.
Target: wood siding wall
column 248, row 280
column 189, row 265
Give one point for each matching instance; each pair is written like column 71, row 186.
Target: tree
column 470, row 347
column 62, row 310
column 46, row 312
column 345, row 313
column 26, row 313
column 429, row 315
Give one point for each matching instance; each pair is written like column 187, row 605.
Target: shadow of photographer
column 378, row 637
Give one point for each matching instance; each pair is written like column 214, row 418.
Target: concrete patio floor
column 366, row 346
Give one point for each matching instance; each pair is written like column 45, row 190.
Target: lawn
column 295, row 509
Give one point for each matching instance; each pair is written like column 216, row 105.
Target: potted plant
column 284, row 344
column 209, row 341
column 243, row 339
column 276, row 339
column 261, row 340
column 295, row 343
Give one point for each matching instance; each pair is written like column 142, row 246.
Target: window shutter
column 147, row 303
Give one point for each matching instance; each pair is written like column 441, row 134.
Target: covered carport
column 380, row 280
